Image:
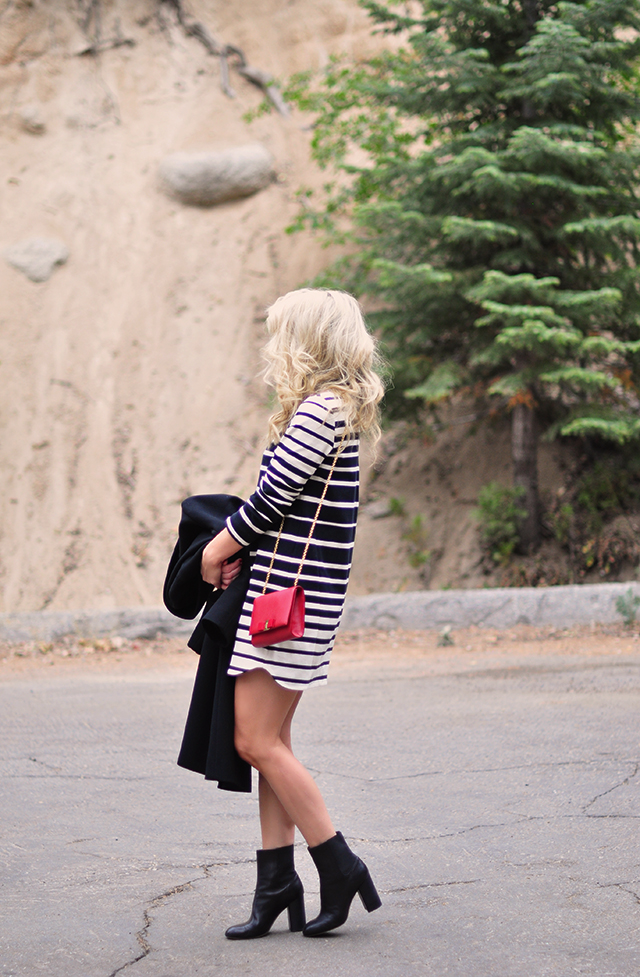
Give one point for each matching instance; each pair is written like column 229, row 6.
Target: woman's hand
column 230, row 570
column 214, row 567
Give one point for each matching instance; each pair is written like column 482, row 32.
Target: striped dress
column 292, row 477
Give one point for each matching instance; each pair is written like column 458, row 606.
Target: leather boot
column 342, row 874
column 278, row 888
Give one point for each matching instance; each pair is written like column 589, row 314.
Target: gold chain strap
column 313, row 524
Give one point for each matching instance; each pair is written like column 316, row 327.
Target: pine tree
column 489, row 169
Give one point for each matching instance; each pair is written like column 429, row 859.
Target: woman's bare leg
column 277, row 827
column 263, row 713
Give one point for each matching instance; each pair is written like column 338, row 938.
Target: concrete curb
column 499, row 608
column 420, row 610
column 130, row 622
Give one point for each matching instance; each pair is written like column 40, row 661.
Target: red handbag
column 279, row 616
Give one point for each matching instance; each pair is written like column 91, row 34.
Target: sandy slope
column 127, row 381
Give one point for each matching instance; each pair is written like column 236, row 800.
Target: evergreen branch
column 439, row 385
column 581, row 378
column 620, row 431
column 623, row 226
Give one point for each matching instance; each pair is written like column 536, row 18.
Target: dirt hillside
column 128, row 378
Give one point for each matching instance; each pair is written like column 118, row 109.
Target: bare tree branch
column 224, row 77
column 93, row 13
column 106, row 45
column 266, row 82
column 263, row 80
column 195, row 28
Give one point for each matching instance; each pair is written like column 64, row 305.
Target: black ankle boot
column 278, row 888
column 342, row 874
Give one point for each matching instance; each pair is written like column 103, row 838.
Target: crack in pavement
column 41, row 763
column 430, row 885
column 56, row 772
column 73, row 776
column 623, row 783
column 436, row 837
column 143, row 932
column 316, row 771
column 623, row 886
column 541, row 765
column 621, row 817
column 142, row 935
column 519, row 819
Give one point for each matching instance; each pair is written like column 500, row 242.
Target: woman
column 321, row 362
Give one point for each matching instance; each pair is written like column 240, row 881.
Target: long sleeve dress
column 293, row 474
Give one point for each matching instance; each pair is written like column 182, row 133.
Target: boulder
column 205, row 179
column 37, row 257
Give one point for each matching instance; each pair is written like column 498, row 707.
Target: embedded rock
column 37, row 257
column 32, row 121
column 205, row 179
column 379, row 509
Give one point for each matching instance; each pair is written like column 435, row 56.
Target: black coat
column 207, row 745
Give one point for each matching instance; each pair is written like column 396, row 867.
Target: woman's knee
column 243, row 746
column 251, row 748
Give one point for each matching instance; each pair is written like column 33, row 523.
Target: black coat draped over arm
column 208, row 742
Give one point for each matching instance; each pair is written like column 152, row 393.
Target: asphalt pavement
column 498, row 809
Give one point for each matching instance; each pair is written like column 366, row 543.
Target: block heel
column 297, row 917
column 369, row 894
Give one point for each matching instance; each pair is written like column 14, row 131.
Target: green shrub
column 416, row 537
column 627, row 605
column 499, row 512
column 561, row 521
column 610, row 487
column 397, row 507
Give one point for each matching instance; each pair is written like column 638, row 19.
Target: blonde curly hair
column 320, row 342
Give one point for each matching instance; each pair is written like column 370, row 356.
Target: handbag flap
column 273, row 610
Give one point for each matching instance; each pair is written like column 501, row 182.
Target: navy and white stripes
column 292, row 477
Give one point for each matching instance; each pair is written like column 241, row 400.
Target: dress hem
column 284, row 683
